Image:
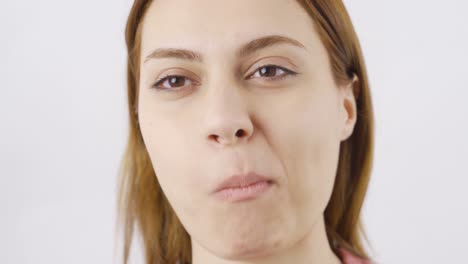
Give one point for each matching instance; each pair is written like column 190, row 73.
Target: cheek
column 309, row 151
column 165, row 147
column 169, row 142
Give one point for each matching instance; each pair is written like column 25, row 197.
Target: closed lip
column 242, row 180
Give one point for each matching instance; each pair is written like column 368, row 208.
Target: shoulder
column 349, row 258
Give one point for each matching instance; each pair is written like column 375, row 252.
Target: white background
column 63, row 126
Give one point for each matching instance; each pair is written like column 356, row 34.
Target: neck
column 312, row 248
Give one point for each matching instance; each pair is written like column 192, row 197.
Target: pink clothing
column 349, row 258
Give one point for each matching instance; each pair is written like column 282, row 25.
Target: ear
column 348, row 109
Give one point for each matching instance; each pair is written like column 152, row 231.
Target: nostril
column 239, row 133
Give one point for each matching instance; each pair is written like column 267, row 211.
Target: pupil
column 268, row 71
column 175, row 80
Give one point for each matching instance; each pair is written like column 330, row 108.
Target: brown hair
column 142, row 203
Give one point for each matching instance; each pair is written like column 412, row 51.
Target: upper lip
column 241, row 180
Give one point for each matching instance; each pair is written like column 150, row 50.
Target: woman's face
column 292, row 117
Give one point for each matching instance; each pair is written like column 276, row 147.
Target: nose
column 227, row 119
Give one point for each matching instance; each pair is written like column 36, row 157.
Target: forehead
column 219, row 25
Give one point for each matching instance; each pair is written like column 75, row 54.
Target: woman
column 251, row 132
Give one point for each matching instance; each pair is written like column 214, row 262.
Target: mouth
column 246, row 187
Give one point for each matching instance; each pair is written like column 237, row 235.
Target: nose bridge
column 227, row 117
column 224, row 95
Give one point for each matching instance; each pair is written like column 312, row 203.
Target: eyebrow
column 245, row 50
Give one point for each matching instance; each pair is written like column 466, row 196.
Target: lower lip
column 244, row 193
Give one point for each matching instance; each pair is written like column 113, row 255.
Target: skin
column 292, row 127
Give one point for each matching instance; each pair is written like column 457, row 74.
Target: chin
column 248, row 249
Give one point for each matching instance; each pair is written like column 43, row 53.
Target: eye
column 273, row 72
column 171, row 82
column 177, row 82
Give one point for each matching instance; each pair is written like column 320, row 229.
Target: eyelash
column 288, row 73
